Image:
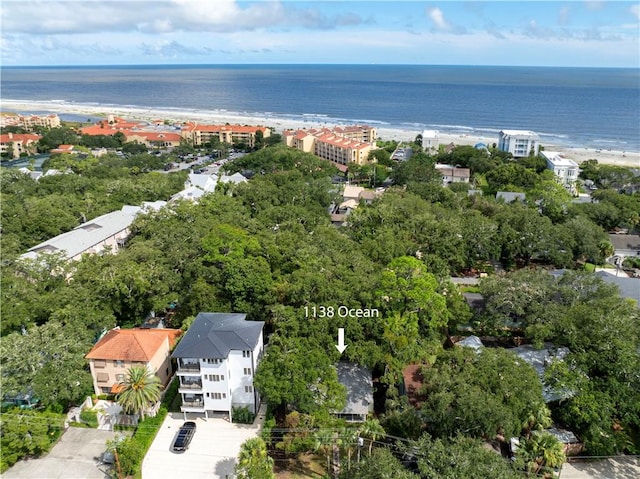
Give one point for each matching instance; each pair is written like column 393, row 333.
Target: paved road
column 75, row 456
column 212, row 453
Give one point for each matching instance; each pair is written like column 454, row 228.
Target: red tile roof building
column 333, row 145
column 14, row 144
column 200, row 134
column 119, row 349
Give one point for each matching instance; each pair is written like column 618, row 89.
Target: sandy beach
column 578, row 154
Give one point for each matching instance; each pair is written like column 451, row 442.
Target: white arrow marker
column 341, row 346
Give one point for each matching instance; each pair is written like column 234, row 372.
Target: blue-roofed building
column 217, row 359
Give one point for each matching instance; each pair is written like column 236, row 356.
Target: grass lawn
column 305, row 466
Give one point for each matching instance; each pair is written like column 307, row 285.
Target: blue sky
column 106, row 32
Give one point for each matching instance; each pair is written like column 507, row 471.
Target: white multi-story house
column 217, row 360
column 431, row 141
column 520, row 143
column 565, row 169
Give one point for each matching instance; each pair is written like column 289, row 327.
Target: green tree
column 540, row 454
column 372, row 430
column 27, row 433
column 254, row 461
column 479, row 394
column 139, row 390
column 382, row 464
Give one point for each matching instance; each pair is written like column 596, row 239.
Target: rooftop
column 359, row 384
column 133, row 344
column 214, row 335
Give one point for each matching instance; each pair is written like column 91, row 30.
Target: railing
column 193, row 403
column 188, row 367
column 193, row 385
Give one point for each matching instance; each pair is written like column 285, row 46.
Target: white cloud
column 73, row 17
column 437, row 17
column 635, row 11
column 564, row 15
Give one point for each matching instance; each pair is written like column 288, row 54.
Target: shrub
column 130, row 455
column 89, row 417
column 242, row 415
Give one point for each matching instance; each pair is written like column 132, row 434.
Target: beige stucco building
column 332, row 145
column 200, row 134
column 120, row 349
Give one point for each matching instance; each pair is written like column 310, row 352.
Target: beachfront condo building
column 520, row 143
column 431, row 141
column 201, row 134
column 565, row 169
column 330, row 145
column 31, row 121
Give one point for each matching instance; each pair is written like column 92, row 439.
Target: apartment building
column 361, row 133
column 217, row 359
column 31, row 121
column 565, row 169
column 200, row 134
column 520, row 143
column 152, row 139
column 329, row 145
column 120, row 349
column 12, row 145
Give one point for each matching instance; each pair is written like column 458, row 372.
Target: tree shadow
column 226, row 468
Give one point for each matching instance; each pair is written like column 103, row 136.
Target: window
column 217, row 395
column 246, row 354
column 100, row 363
column 102, row 377
column 247, row 371
column 166, row 372
column 214, row 377
column 119, row 364
column 248, row 389
column 213, row 361
column 119, row 377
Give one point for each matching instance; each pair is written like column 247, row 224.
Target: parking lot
column 211, row 454
column 76, row 455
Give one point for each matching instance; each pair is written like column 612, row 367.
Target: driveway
column 212, row 453
column 75, row 456
column 613, row 468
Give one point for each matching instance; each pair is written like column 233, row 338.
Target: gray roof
column 510, row 196
column 629, row 243
column 359, row 384
column 540, row 359
column 471, row 342
column 629, row 287
column 87, row 234
column 213, row 335
column 235, row 178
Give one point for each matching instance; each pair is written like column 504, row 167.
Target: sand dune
column 578, row 154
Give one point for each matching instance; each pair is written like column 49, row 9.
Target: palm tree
column 541, row 453
column 324, row 443
column 372, row 430
column 254, row 461
column 139, row 389
column 349, row 441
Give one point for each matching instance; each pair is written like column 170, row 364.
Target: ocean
column 590, row 107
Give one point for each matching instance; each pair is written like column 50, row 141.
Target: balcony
column 190, row 385
column 188, row 367
column 192, row 401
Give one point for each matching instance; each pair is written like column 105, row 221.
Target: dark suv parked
column 184, row 436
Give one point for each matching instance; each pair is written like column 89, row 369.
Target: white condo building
column 565, row 169
column 520, row 143
column 217, row 360
column 430, row 141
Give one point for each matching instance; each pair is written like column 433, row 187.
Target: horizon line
column 121, row 65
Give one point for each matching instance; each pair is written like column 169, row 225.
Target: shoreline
column 280, row 123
